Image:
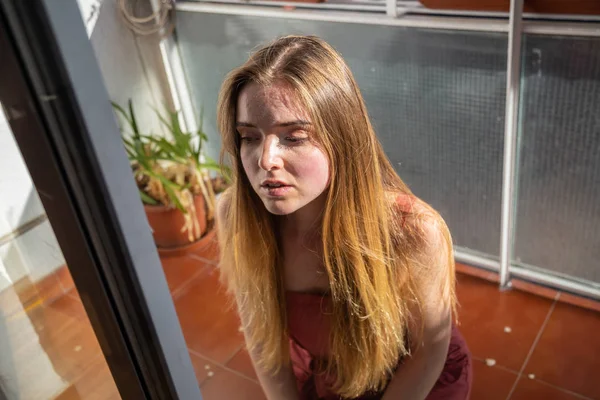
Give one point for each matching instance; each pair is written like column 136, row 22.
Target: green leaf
column 201, row 117
column 212, row 167
column 174, row 199
column 147, row 199
column 210, row 160
column 170, row 151
column 163, row 120
column 134, row 125
column 180, row 137
column 128, row 144
column 167, row 183
column 176, row 127
column 201, row 138
column 145, row 163
column 121, row 111
column 170, row 188
column 130, row 154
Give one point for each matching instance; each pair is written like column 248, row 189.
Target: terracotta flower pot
column 167, row 224
column 206, row 248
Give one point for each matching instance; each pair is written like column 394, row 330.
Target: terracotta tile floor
column 524, row 346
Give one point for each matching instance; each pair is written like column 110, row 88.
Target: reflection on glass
column 48, row 349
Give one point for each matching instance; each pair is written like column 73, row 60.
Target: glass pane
column 558, row 209
column 48, row 349
column 436, row 99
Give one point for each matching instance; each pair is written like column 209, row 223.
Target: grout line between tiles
column 181, row 289
column 235, row 353
column 206, row 260
column 562, row 389
column 71, row 295
column 533, row 346
column 100, row 357
column 503, row 368
column 71, row 317
column 226, row 368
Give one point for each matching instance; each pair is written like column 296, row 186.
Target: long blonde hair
column 368, row 247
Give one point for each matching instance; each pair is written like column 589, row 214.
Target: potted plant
column 173, row 178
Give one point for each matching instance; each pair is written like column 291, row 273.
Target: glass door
column 48, row 348
column 85, row 310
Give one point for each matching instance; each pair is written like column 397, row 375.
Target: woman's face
column 282, row 161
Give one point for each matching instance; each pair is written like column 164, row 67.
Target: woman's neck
column 304, row 222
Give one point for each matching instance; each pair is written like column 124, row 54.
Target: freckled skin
column 279, row 145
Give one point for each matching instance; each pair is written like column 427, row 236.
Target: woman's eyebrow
column 246, row 124
column 297, row 122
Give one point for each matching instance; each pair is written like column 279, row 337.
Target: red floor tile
column 27, row 295
column 49, row 288
column 208, row 251
column 96, row 383
column 491, row 383
column 69, row 304
column 209, row 323
column 21, row 295
column 45, row 322
column 202, row 367
column 71, row 350
column 180, row 269
column 484, row 313
column 530, row 389
column 567, row 352
column 59, row 343
column 226, row 385
column 241, row 362
column 64, row 278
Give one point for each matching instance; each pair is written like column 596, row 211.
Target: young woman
column 344, row 280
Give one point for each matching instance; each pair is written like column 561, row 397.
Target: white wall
column 36, row 252
column 18, row 204
column 131, row 68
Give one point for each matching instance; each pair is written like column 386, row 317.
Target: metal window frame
column 405, row 15
column 60, row 113
column 529, row 273
column 406, row 20
column 404, row 7
column 513, row 86
column 391, row 8
column 394, row 13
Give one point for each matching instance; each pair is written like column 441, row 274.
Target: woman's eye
column 295, row 139
column 247, row 139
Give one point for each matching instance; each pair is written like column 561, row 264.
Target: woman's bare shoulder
column 420, row 220
column 412, row 208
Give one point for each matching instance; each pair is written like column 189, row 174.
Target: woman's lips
column 276, row 191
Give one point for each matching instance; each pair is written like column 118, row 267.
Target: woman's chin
column 279, row 207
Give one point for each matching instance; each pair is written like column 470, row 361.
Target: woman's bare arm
column 415, row 378
column 278, row 386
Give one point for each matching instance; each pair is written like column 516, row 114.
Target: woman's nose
column 270, row 158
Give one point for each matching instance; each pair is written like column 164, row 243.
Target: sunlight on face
column 284, row 165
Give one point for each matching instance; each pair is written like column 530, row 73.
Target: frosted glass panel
column 558, row 209
column 436, row 99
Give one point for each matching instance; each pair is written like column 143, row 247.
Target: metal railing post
column 510, row 139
